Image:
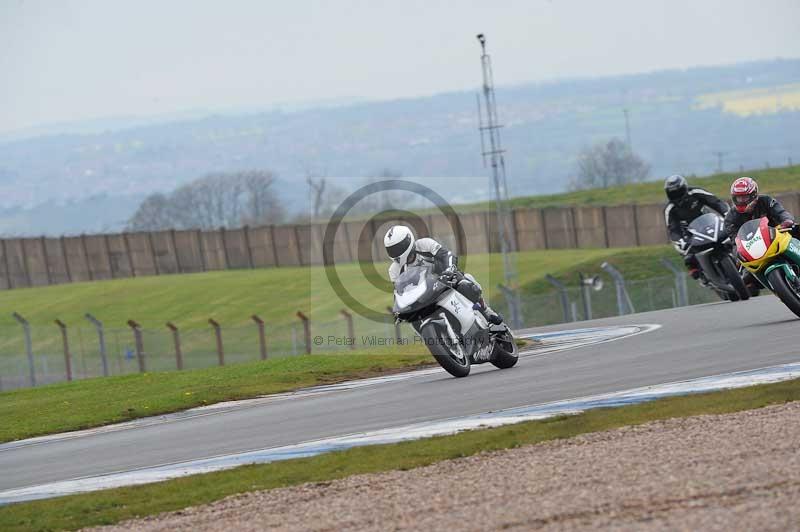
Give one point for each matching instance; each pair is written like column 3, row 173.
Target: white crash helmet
column 399, row 242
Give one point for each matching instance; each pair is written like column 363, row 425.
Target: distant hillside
column 770, row 181
column 750, row 112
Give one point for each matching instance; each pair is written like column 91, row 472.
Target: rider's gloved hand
column 787, row 224
column 449, row 275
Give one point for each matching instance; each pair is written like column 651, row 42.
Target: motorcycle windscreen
column 410, row 286
column 706, row 229
column 753, row 239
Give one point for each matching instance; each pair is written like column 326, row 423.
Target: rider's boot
column 491, row 316
column 698, row 275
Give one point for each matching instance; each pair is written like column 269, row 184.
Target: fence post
column 350, row 329
column 67, row 356
column 586, row 297
column 4, row 249
column 137, row 338
column 248, row 249
column 218, row 335
column 397, row 335
column 562, row 295
column 43, row 243
column 26, row 329
column 176, row 339
column 306, row 330
column 680, row 282
column 101, row 338
column 624, row 304
column 25, row 266
column 86, row 258
column 512, row 298
column 262, row 338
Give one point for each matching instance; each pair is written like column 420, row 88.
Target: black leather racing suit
column 680, row 213
column 765, row 206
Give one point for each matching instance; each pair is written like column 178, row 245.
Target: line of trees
column 216, row 200
column 326, row 196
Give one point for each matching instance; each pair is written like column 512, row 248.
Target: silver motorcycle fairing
column 473, row 330
column 461, row 308
column 466, row 328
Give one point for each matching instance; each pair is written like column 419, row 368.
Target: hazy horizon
column 93, row 61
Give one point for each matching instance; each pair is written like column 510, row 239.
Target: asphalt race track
column 692, row 342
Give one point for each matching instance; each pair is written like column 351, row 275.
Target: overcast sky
column 73, row 60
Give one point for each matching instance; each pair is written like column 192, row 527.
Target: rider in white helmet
column 405, row 250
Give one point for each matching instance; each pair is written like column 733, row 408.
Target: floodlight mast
column 495, row 153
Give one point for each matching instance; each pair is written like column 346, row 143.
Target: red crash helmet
column 744, row 193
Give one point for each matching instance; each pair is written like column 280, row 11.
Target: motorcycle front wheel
column 785, row 291
column 506, row 353
column 451, row 357
column 734, row 278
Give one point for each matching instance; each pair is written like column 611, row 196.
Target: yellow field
column 755, row 101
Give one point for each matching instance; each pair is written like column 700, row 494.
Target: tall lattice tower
column 490, row 134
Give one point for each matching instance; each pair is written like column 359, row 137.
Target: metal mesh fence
column 46, row 362
column 645, row 295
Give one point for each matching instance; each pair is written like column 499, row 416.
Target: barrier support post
column 350, row 329
column 624, row 304
column 176, row 339
column 137, row 338
column 262, row 337
column 101, row 339
column 680, row 282
column 562, row 295
column 306, row 330
column 397, row 334
column 26, row 330
column 218, row 335
column 65, row 342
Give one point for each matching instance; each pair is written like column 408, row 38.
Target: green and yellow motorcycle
column 773, row 257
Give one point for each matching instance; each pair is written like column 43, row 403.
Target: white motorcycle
column 454, row 330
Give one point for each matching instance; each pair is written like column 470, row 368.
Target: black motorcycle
column 713, row 251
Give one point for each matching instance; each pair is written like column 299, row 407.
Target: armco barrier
column 43, row 261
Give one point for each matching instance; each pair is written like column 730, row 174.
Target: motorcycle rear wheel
column 784, row 290
column 437, row 343
column 734, row 278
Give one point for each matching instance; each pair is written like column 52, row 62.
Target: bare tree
column 608, row 164
column 387, row 199
column 262, row 204
column 227, row 200
column 154, row 213
column 317, row 191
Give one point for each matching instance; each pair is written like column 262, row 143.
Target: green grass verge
column 231, row 297
column 92, row 402
column 115, row 505
column 771, row 181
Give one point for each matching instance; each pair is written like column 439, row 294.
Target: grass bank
column 93, row 402
column 231, row 297
column 115, row 505
column 771, row 181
